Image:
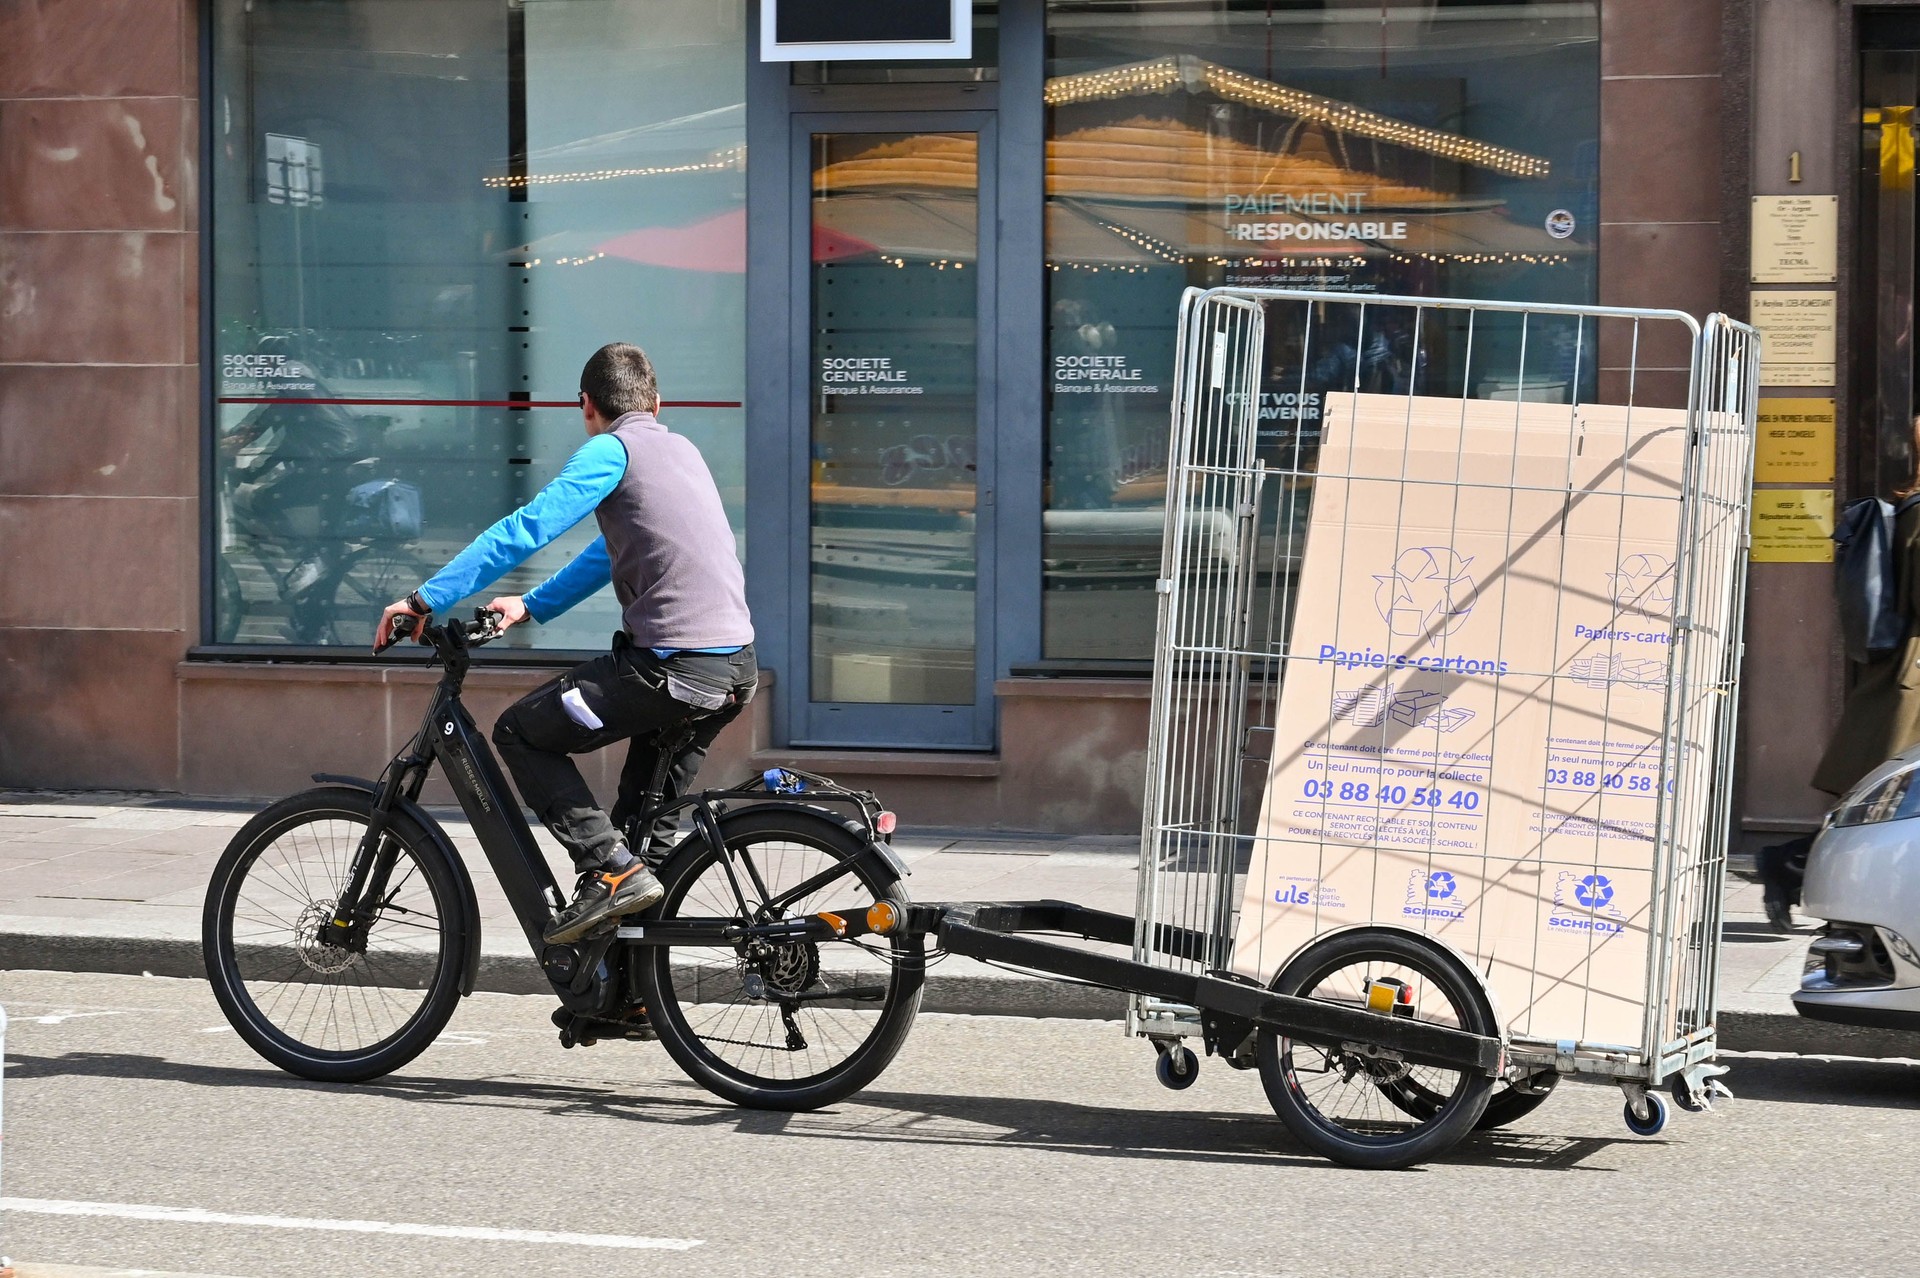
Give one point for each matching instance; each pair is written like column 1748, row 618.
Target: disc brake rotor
column 327, row 960
column 789, row 968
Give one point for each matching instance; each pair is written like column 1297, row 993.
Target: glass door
column 897, row 281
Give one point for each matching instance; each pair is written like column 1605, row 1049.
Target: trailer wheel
column 1333, row 1099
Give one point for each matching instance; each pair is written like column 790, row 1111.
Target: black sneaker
column 1779, row 914
column 604, row 895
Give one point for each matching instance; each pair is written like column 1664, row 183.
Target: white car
column 1863, row 878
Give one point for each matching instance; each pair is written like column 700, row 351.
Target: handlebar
column 484, row 628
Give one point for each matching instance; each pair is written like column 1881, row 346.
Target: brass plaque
column 1796, row 337
column 1795, row 442
column 1793, row 526
column 1795, row 239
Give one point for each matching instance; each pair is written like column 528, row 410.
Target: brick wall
column 99, row 389
column 1661, row 199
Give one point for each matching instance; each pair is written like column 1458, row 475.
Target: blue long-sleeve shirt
column 582, row 484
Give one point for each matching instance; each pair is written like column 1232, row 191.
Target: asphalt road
column 993, row 1146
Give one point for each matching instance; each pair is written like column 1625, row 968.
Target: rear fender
column 470, row 970
column 878, row 859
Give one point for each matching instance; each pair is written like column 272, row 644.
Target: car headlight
column 1893, row 798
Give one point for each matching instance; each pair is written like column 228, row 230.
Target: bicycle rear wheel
column 339, row 1014
column 788, row 1026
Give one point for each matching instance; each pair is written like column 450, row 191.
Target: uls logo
column 1307, row 892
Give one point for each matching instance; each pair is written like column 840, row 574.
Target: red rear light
column 885, row 822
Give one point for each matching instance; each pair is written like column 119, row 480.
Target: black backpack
column 1868, row 578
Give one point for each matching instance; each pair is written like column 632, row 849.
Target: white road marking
column 58, row 1018
column 198, row 1216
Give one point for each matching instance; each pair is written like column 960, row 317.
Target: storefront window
column 427, row 214
column 1430, row 149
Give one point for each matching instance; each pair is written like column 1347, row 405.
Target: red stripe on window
column 459, row 403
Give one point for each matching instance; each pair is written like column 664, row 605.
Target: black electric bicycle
column 784, row 965
column 341, row 927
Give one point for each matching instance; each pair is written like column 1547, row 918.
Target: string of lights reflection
column 733, row 157
column 1184, row 70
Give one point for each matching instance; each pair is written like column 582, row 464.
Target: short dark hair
column 619, row 380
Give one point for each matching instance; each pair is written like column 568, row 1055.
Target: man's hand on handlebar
column 416, row 621
column 512, row 611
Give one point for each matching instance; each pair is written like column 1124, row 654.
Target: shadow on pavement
column 873, row 1115
column 1807, row 1081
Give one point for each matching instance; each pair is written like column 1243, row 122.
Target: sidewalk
column 106, row 882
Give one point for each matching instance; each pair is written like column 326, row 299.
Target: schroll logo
column 1585, row 903
column 1434, row 895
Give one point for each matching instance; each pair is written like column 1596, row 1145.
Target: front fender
column 470, row 969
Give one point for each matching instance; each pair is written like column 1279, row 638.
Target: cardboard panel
column 1469, row 733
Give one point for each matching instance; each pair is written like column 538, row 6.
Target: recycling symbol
column 1440, row 885
column 1427, row 594
column 1644, row 583
column 1593, row 891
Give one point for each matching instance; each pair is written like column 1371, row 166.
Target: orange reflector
column 885, row 822
column 1379, row 996
column 882, row 917
column 834, row 921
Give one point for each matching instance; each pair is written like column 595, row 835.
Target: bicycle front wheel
column 791, row 1025
column 338, row 1012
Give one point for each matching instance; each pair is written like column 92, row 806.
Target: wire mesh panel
column 1449, row 633
column 1203, row 665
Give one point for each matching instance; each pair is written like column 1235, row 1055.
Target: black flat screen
column 845, row 21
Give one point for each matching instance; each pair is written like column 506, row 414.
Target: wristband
column 419, row 605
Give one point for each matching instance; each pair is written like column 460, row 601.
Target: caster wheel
column 1177, row 1068
column 1686, row 1098
column 1655, row 1120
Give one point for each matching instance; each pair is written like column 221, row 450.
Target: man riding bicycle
column 684, row 653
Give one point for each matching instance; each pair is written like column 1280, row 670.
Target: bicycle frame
column 449, row 736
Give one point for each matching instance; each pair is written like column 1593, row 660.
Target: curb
column 1740, row 1031
column 519, row 974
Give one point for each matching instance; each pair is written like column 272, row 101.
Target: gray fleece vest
column 674, row 568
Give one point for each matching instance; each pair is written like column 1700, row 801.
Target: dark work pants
column 1783, row 869
column 632, row 696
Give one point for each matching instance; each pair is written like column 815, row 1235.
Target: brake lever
column 403, row 627
column 487, row 626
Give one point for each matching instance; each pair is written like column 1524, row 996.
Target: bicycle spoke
column 333, row 999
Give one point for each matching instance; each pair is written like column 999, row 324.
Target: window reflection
column 1421, row 149
column 894, row 410
column 427, row 214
